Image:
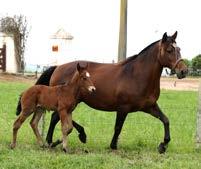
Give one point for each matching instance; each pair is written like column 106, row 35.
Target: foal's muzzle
column 91, row 88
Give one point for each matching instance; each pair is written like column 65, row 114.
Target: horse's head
column 84, row 78
column 170, row 56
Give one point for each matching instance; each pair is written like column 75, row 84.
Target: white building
column 10, row 59
column 61, row 48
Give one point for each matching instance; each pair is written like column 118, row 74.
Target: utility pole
column 123, row 31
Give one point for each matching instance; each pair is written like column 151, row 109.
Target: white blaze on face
column 174, row 45
column 87, row 74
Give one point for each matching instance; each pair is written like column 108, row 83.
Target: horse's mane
column 135, row 56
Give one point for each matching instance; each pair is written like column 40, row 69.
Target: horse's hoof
column 12, row 146
column 54, row 144
column 162, row 148
column 83, row 138
column 113, row 147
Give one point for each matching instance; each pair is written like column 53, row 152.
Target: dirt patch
column 30, row 79
column 191, row 84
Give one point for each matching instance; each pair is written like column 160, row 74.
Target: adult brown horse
column 129, row 86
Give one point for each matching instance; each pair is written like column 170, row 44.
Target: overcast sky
column 95, row 25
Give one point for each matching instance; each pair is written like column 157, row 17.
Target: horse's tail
column 44, row 79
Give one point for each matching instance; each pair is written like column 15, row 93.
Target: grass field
column 138, row 141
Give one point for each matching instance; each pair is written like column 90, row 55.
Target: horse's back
column 64, row 73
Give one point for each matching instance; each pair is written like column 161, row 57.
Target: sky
column 95, row 26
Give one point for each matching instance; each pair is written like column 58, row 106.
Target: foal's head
column 85, row 79
column 170, row 55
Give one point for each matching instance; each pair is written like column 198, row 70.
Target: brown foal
column 62, row 98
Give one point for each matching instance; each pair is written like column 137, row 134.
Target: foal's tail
column 44, row 79
column 19, row 108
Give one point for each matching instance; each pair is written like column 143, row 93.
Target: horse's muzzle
column 182, row 73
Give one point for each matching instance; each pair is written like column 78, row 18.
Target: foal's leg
column 156, row 112
column 120, row 118
column 54, row 120
column 34, row 124
column 66, row 126
column 17, row 124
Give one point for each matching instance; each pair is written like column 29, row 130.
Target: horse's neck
column 149, row 60
column 72, row 87
column 148, row 66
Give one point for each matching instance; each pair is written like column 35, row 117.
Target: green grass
column 137, row 145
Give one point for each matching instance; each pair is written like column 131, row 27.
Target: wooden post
column 122, row 31
column 198, row 129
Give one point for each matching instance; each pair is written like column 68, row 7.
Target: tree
column 196, row 62
column 187, row 62
column 17, row 27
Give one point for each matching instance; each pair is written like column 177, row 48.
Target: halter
column 177, row 62
column 178, row 59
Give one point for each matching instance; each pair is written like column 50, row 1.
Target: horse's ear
column 164, row 38
column 78, row 67
column 174, row 36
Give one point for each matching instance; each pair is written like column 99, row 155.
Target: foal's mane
column 135, row 56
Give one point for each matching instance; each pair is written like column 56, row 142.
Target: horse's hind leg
column 17, row 124
column 54, row 120
column 34, row 124
column 156, row 112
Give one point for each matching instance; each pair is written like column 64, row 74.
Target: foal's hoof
column 12, row 146
column 83, row 138
column 43, row 146
column 162, row 148
column 65, row 150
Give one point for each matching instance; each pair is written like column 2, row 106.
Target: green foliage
column 137, row 143
column 187, row 62
column 196, row 62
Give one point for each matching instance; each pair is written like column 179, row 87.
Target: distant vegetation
column 194, row 65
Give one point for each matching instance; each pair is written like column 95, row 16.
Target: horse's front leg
column 120, row 118
column 156, row 112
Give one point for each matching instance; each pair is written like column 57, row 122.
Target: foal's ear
column 174, row 36
column 81, row 68
column 164, row 38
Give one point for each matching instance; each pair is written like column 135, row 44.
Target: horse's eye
column 84, row 78
column 170, row 49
